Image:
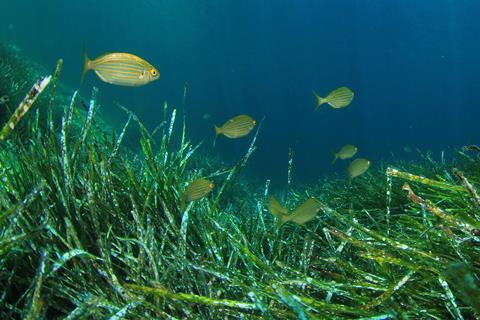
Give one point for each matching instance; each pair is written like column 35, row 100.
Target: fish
column 123, row 69
column 196, row 190
column 338, row 98
column 301, row 215
column 206, row 116
column 4, row 99
column 346, row 152
column 236, row 127
column 358, row 167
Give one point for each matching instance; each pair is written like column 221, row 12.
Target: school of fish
column 126, row 69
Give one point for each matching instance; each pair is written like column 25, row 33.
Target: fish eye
column 211, row 185
column 154, row 72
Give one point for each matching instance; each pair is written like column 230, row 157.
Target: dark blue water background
column 412, row 64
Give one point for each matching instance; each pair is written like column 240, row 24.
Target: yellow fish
column 346, row 152
column 338, row 98
column 358, row 167
column 236, row 127
column 301, row 215
column 195, row 190
column 123, row 69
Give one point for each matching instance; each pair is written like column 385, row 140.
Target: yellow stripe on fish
column 338, row 98
column 124, row 69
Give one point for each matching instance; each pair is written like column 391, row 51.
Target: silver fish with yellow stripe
column 123, row 69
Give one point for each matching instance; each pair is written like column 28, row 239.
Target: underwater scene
column 239, row 159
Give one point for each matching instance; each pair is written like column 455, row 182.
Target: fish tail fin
column 335, row 157
column 218, row 131
column 86, row 65
column 320, row 100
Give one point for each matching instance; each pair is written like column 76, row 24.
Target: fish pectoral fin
column 332, row 104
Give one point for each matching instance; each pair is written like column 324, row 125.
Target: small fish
column 4, row 99
column 358, row 167
column 346, row 152
column 206, row 116
column 123, row 69
column 301, row 215
column 195, row 190
column 338, row 98
column 236, row 127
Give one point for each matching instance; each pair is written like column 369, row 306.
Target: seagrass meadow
column 92, row 230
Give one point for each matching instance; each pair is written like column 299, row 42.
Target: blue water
column 412, row 64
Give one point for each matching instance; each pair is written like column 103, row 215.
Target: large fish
column 123, row 69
